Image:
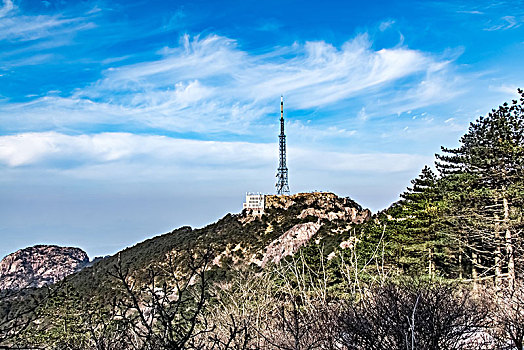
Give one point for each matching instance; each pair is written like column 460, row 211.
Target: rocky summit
column 40, row 265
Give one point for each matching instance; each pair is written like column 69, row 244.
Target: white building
column 254, row 203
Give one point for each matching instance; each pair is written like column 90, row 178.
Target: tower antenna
column 282, row 180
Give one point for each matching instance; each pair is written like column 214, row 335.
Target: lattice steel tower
column 282, row 181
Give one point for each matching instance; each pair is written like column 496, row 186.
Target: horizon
column 120, row 121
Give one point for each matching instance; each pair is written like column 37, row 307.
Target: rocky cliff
column 288, row 224
column 317, row 209
column 40, row 265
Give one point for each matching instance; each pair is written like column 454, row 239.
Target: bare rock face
column 37, row 266
column 318, row 208
column 290, row 242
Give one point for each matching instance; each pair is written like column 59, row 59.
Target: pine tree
column 420, row 216
column 483, row 181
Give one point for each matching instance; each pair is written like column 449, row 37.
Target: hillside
column 235, row 243
column 240, row 240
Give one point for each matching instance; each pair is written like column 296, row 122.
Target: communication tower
column 282, row 180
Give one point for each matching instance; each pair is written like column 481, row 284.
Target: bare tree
column 402, row 316
column 166, row 312
column 301, row 312
column 234, row 335
column 284, row 307
column 103, row 328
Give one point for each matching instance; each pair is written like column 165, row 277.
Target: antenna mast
column 282, row 181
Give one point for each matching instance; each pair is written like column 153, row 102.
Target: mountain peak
column 40, row 265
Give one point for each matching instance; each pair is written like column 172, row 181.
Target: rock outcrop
column 323, row 205
column 37, row 266
column 289, row 242
column 317, row 209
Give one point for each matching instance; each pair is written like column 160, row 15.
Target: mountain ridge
column 236, row 240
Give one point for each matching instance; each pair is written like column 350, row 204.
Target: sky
column 121, row 120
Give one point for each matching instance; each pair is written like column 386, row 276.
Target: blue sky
column 120, row 120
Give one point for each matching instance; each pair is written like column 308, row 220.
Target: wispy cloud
column 505, row 88
column 488, row 15
column 311, row 133
column 211, row 85
column 385, row 25
column 506, row 22
column 26, row 61
column 15, row 26
column 7, row 8
column 269, row 25
column 471, row 12
column 21, row 33
column 26, row 28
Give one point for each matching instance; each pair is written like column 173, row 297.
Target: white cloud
column 434, row 88
column 379, row 162
column 362, row 115
column 51, row 148
column 211, row 85
column 56, row 150
column 507, row 89
column 28, row 28
column 506, row 22
column 312, row 133
column 472, row 12
column 385, row 25
column 23, row 33
column 8, row 7
column 32, row 60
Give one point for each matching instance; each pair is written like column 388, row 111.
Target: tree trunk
column 474, row 272
column 509, row 242
column 430, row 263
column 461, row 267
column 498, row 254
column 460, row 264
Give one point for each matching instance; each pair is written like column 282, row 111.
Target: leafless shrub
column 103, row 328
column 166, row 311
column 413, row 316
column 508, row 317
column 287, row 307
column 169, row 311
